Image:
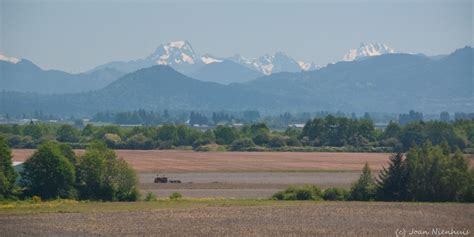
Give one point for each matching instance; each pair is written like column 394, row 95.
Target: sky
column 76, row 36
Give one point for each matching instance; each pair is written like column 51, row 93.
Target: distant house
column 296, row 125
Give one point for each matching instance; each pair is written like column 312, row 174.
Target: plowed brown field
column 149, row 161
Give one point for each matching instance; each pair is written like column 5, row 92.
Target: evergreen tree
column 392, row 182
column 7, row 172
column 364, row 188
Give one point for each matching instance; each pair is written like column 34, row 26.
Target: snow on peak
column 208, row 59
column 177, row 44
column 308, row 66
column 368, row 50
column 174, row 53
column 278, row 62
column 9, row 59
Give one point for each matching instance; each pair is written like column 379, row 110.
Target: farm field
column 152, row 161
column 236, row 218
column 242, row 185
column 241, row 174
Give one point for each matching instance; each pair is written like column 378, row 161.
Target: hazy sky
column 76, row 36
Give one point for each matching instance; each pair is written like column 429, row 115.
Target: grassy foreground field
column 218, row 217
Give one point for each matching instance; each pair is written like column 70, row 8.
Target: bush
column 150, row 197
column 175, row 196
column 35, row 199
column 277, row 141
column 165, row 145
column 308, row 192
column 335, row 194
column 242, row 145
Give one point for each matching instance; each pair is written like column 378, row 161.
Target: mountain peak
column 174, row 53
column 368, row 50
column 9, row 59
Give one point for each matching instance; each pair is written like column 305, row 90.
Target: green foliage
column 150, row 197
column 48, row 173
column 326, row 133
column 277, row 141
column 244, row 144
column 435, row 175
column 392, row 183
column 364, row 188
column 169, row 133
column 226, row 135
column 67, row 133
column 338, row 131
column 7, row 172
column 429, row 173
column 335, row 194
column 307, row 192
column 101, row 176
column 175, row 196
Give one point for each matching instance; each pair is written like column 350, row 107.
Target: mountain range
column 24, row 76
column 181, row 56
column 392, row 82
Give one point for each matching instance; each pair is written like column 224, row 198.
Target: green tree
column 101, row 176
column 392, row 183
column 225, row 135
column 168, row 132
column 48, row 173
column 364, row 188
column 67, row 133
column 7, row 172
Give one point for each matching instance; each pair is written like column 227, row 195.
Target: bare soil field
column 189, row 161
column 292, row 219
column 242, row 185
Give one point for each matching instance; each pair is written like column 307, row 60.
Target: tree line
column 426, row 173
column 340, row 133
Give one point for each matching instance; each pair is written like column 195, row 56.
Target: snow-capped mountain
column 279, row 62
column 367, row 50
column 9, row 59
column 181, row 56
column 174, row 53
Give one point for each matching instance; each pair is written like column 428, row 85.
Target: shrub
column 242, row 144
column 293, row 141
column 36, row 199
column 277, row 141
column 335, row 194
column 165, row 145
column 150, row 197
column 175, row 196
column 308, row 192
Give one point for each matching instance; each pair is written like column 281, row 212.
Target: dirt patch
column 307, row 219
